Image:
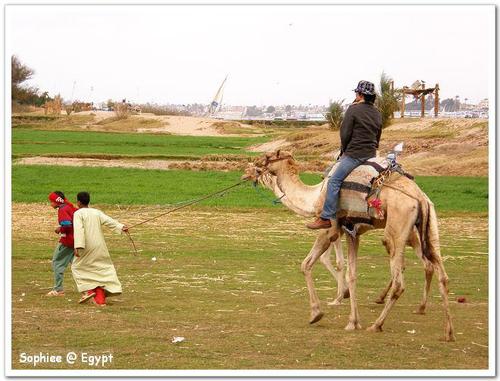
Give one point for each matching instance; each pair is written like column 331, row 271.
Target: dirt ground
column 200, row 165
column 178, row 125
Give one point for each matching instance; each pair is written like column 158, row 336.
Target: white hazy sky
column 273, row 54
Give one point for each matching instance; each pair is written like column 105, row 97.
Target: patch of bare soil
column 98, row 115
column 236, row 128
column 269, row 146
column 196, row 165
column 165, row 124
column 188, row 125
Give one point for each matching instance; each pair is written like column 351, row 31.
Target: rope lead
column 195, row 201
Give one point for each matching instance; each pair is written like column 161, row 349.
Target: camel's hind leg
column 415, row 242
column 383, row 294
column 338, row 271
column 443, row 289
column 395, row 236
column 320, row 246
column 352, row 254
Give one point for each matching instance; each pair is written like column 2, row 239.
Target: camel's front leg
column 338, row 271
column 352, row 254
column 320, row 246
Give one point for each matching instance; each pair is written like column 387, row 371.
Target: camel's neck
column 271, row 183
column 298, row 194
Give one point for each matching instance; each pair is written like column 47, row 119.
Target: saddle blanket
column 355, row 189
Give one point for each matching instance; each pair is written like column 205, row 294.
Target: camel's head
column 252, row 173
column 272, row 162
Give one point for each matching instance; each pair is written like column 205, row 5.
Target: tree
column 20, row 93
column 271, row 109
column 335, row 114
column 387, row 100
column 449, row 104
column 253, row 111
column 20, row 72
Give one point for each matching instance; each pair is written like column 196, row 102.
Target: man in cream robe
column 92, row 267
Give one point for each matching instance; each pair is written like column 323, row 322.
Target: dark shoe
column 319, row 223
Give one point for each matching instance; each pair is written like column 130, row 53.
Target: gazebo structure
column 418, row 90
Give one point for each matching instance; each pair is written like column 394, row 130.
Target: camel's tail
column 428, row 229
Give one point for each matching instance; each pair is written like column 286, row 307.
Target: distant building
column 484, row 104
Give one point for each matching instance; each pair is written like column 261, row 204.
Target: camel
column 410, row 217
column 255, row 174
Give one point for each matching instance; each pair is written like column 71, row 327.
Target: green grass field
column 32, row 183
column 31, row 142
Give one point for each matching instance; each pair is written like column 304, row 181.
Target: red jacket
column 65, row 217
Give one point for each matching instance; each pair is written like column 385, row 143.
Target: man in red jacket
column 63, row 254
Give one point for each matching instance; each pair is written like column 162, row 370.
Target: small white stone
column 153, row 259
column 178, row 339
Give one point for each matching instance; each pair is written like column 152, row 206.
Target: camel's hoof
column 380, row 301
column 347, row 294
column 448, row 338
column 374, row 328
column 336, row 302
column 352, row 326
column 420, row 311
column 317, row 317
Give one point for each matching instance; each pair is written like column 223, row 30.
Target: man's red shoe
column 319, row 223
column 100, row 296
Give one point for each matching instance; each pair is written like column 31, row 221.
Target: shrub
column 121, row 111
column 387, row 100
column 22, row 108
column 162, row 110
column 335, row 114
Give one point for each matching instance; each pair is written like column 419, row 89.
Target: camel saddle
column 353, row 205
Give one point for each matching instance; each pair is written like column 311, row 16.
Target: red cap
column 57, row 199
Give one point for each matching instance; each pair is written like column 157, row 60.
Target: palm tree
column 335, row 114
column 387, row 100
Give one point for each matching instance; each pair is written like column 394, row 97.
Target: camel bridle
column 268, row 161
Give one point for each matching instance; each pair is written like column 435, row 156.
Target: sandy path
column 270, row 146
column 178, row 125
column 138, row 163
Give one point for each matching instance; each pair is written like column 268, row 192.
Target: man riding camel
column 359, row 136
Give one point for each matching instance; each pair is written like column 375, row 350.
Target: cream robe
column 94, row 267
